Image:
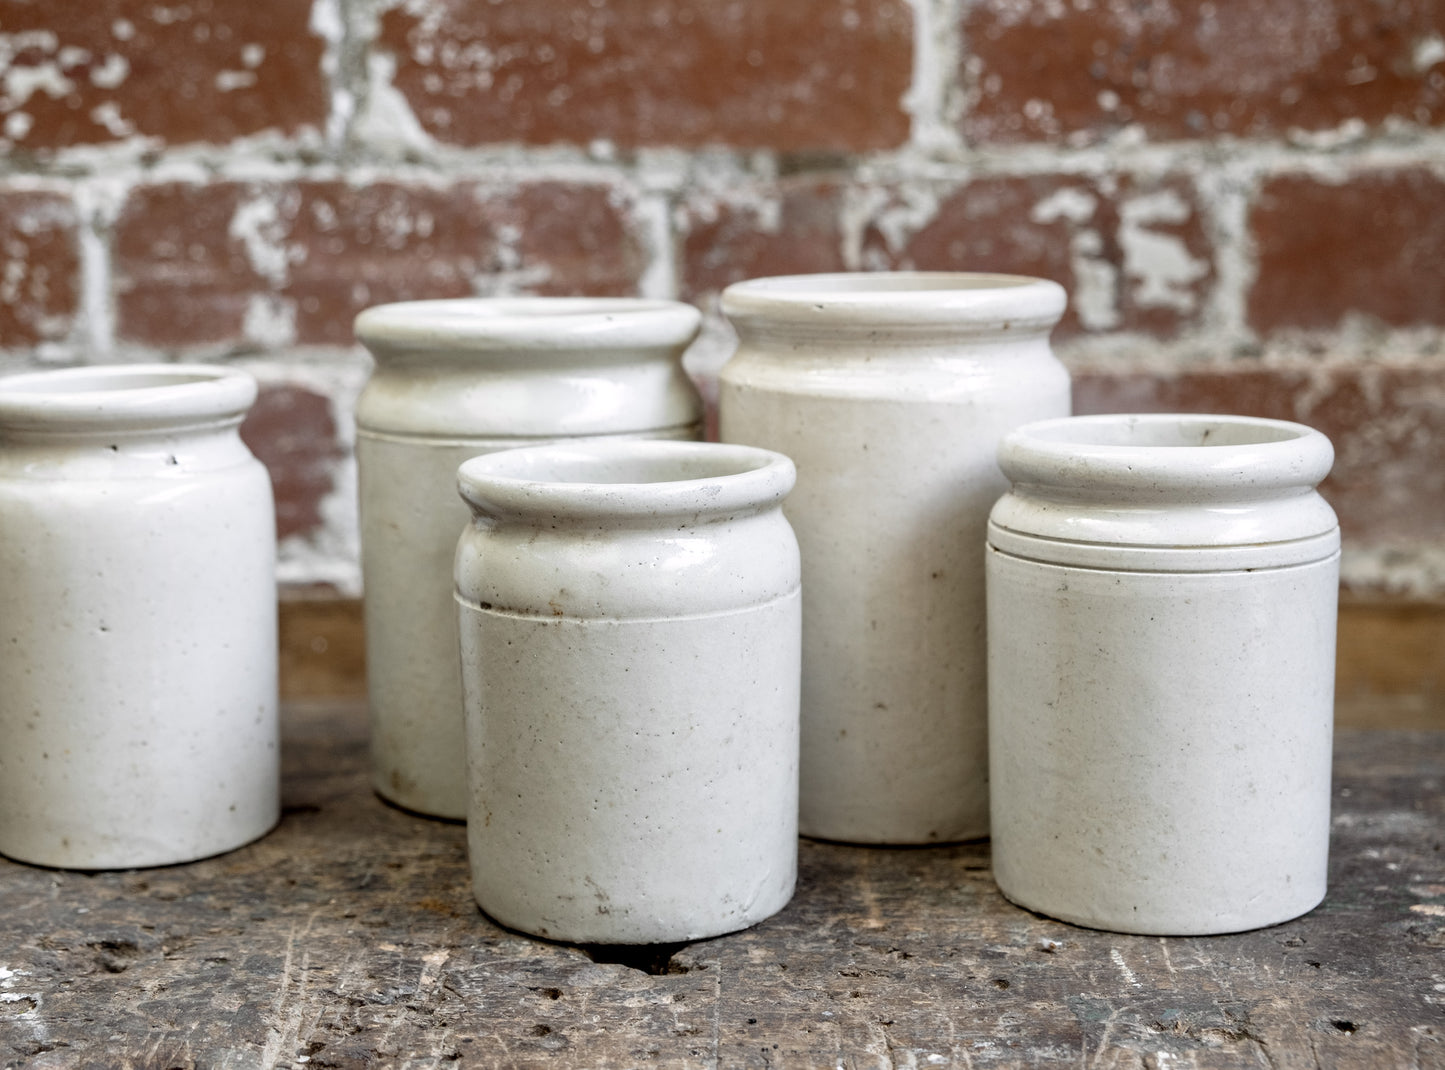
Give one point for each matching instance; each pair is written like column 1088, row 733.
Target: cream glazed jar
column 630, row 624
column 1162, row 594
column 455, row 379
column 138, row 656
column 891, row 392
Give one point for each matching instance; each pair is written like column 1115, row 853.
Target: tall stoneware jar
column 890, row 392
column 455, row 379
column 630, row 624
column 1162, row 594
column 137, row 618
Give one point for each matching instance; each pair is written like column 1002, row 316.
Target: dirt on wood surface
column 348, row 938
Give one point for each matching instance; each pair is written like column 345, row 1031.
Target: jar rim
column 1166, row 454
column 510, row 324
column 629, row 481
column 124, row 397
column 962, row 299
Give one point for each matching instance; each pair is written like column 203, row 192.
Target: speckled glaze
column 1162, row 594
column 137, row 618
column 630, row 623
column 455, row 379
column 890, row 392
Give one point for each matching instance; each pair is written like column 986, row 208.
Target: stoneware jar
column 890, row 392
column 630, row 625
column 1162, row 594
column 137, row 618
column 455, row 379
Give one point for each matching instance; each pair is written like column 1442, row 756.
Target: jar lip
column 1166, row 453
column 511, row 324
column 124, row 397
column 905, row 298
column 630, row 481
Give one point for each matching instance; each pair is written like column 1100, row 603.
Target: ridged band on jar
column 612, row 506
column 1165, row 492
column 538, row 367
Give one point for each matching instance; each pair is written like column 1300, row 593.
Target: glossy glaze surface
column 137, row 618
column 890, row 392
column 1162, row 600
column 630, row 617
column 455, row 379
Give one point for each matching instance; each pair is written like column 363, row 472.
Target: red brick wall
column 1245, row 198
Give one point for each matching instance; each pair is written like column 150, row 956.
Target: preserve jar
column 629, row 617
column 890, row 392
column 138, row 659
column 1162, row 593
column 454, row 379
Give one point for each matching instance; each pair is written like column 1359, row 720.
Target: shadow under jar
column 629, row 618
column 138, row 661
column 1162, row 593
column 455, row 379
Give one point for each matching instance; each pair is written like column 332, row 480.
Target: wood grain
column 1390, row 670
column 348, row 938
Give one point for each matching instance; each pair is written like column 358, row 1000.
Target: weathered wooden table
column 348, row 938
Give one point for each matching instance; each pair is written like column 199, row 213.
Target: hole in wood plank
column 1344, row 1025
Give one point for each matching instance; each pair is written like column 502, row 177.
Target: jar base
column 416, row 811
column 942, row 840
column 660, row 935
column 154, row 859
column 1181, row 926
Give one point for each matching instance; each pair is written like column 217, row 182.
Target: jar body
column 138, row 681
column 894, row 438
column 632, row 714
column 435, row 401
column 1160, row 730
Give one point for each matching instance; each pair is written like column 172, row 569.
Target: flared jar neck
column 125, row 403
column 901, row 311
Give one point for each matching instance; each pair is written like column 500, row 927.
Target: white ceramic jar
column 137, row 618
column 455, row 379
column 630, row 622
column 890, row 392
column 1162, row 594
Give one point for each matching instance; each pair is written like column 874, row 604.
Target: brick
column 87, row 71
column 807, row 74
column 1372, row 245
column 181, row 276
column 794, row 228
column 292, row 431
column 564, row 239
column 271, row 264
column 39, row 267
column 1387, row 423
column 1043, row 70
column 360, row 246
column 350, row 247
column 1133, row 253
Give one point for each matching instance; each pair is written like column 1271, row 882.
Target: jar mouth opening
column 884, row 284
column 906, row 301
column 100, row 381
column 1165, row 455
column 134, row 397
column 580, row 469
column 520, row 323
column 1165, row 431
column 628, row 479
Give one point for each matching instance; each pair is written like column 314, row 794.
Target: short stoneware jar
column 890, row 392
column 137, row 618
column 455, row 379
column 630, row 629
column 1162, row 593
